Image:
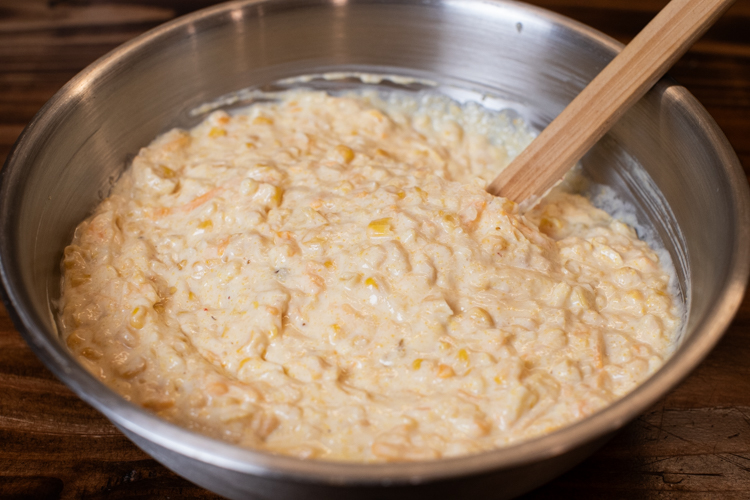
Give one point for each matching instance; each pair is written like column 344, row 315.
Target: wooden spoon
column 593, row 112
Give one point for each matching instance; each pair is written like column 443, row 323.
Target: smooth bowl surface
column 666, row 157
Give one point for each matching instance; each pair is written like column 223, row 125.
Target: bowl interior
column 666, row 157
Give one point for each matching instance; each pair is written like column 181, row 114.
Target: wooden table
column 695, row 443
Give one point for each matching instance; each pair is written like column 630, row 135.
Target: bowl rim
column 199, row 447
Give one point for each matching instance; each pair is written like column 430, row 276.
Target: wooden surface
column 693, row 444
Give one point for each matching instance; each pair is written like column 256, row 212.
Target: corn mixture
column 326, row 277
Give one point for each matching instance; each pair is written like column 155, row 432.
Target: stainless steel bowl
column 666, row 156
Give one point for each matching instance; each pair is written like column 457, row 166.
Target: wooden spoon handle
column 593, row 112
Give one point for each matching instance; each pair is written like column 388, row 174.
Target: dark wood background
column 693, row 444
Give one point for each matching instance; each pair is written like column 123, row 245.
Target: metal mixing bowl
column 666, row 156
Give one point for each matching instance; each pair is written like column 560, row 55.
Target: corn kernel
column 635, row 295
column 249, row 145
column 79, row 279
column 74, row 340
column 206, row 224
column 481, row 317
column 249, row 187
column 422, row 194
column 191, row 296
column 255, row 304
column 181, row 142
column 345, row 153
column 379, row 227
column 91, row 354
column 463, row 355
column 262, row 120
column 277, row 195
column 345, row 187
column 138, row 318
column 181, row 265
column 159, row 306
column 316, row 241
column 372, row 283
column 580, row 299
column 217, row 132
column 165, row 172
column 382, row 152
column 76, row 321
column 329, row 264
column 445, row 371
column 451, row 220
column 401, row 195
column 548, row 225
column 417, row 364
column 273, row 332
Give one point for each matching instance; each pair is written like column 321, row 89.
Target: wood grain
column 606, row 98
column 694, row 444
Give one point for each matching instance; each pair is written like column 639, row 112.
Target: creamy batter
column 326, row 277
